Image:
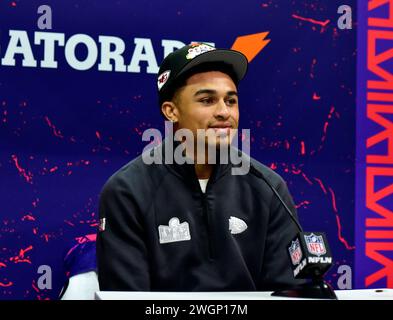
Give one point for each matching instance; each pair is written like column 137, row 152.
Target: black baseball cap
column 196, row 54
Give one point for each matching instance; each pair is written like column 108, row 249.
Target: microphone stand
column 317, row 288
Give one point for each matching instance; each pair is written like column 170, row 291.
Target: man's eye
column 231, row 101
column 207, row 100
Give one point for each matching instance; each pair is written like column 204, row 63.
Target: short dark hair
column 169, row 93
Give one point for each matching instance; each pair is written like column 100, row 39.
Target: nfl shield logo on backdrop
column 315, row 244
column 295, row 252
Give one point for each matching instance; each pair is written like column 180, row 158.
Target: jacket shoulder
column 274, row 178
column 136, row 177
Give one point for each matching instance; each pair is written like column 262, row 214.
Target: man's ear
column 169, row 109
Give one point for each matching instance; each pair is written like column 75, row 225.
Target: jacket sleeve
column 276, row 270
column 121, row 249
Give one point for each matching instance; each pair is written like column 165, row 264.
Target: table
column 365, row 294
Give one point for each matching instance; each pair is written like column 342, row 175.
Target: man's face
column 209, row 101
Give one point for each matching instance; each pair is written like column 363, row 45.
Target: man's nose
column 222, row 110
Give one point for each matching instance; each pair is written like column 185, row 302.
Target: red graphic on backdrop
column 376, row 211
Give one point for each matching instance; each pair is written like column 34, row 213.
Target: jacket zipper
column 208, row 226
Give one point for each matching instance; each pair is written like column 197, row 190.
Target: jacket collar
column 187, row 171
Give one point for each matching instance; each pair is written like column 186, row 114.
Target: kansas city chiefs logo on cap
column 163, row 78
column 197, row 49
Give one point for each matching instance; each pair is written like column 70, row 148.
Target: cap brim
column 236, row 59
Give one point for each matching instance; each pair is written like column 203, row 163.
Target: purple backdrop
column 64, row 131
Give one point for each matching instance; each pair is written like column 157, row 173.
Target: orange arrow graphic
column 250, row 45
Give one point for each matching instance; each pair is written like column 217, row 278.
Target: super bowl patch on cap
column 197, row 49
column 163, row 78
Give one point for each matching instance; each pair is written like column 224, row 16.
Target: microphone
column 309, row 254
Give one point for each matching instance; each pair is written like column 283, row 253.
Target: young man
column 196, row 226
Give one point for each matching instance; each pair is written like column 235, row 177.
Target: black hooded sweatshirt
column 160, row 232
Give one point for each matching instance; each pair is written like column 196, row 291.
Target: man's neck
column 203, row 171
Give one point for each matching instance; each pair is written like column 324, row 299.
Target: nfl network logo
column 295, row 252
column 315, row 244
